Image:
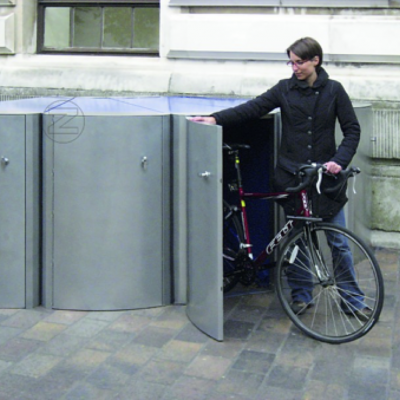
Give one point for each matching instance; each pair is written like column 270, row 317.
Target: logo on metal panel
column 65, row 121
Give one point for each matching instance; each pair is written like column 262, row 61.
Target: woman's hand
column 204, row 120
column 332, row 167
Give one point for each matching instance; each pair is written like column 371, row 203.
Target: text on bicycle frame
column 279, row 236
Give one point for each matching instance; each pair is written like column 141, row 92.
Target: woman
column 310, row 104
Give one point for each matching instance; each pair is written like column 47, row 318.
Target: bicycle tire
column 331, row 316
column 232, row 238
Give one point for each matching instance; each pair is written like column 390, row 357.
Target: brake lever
column 318, row 184
column 354, row 184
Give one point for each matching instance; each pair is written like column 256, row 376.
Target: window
column 99, row 26
column 282, row 3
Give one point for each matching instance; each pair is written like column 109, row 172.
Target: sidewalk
column 157, row 354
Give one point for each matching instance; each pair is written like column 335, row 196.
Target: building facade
column 226, row 48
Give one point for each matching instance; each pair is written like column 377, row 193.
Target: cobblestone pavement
column 158, row 354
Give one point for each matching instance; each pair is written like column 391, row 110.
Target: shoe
column 299, row 307
column 364, row 314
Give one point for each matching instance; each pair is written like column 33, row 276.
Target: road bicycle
column 345, row 281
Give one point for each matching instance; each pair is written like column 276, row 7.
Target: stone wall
column 233, row 52
column 386, row 175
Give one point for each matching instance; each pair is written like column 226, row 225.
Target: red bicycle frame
column 302, row 212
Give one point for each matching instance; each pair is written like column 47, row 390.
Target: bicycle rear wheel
column 344, row 288
column 233, row 237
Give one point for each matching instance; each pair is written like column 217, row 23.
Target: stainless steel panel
column 12, row 211
column 32, row 209
column 179, row 208
column 358, row 208
column 105, row 236
column 204, row 199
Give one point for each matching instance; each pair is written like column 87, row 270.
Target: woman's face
column 304, row 69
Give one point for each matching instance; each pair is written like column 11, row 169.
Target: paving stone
column 107, row 316
column 228, row 396
column 173, row 318
column 162, row 371
column 7, row 333
column 43, row 331
column 35, row 365
column 264, row 299
column 65, row 316
column 230, row 303
column 288, row 377
column 277, row 324
column 208, row 367
column 68, row 373
column 178, row 350
column 366, row 392
column 108, row 377
column 47, row 388
column 158, row 354
column 86, row 328
column 25, row 319
column 317, row 390
column 87, row 359
column 277, row 393
column 395, row 380
column 13, row 387
column 190, row 388
column 247, row 313
column 299, row 358
column 191, row 334
column 110, row 340
column 63, row 345
column 394, row 395
column 265, row 341
column 17, row 348
column 134, row 354
column 85, row 391
column 7, row 312
column 240, row 382
column 138, row 389
column 378, row 341
column 238, row 329
column 4, row 365
column 130, row 323
column 154, row 336
column 254, row 361
column 229, row 348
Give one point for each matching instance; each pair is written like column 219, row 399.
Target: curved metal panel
column 204, row 197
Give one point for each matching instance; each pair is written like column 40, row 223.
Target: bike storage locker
column 131, row 195
column 106, row 202
column 19, row 210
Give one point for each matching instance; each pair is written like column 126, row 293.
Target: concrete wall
column 234, row 52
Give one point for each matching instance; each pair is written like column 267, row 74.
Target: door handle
column 5, row 161
column 144, row 163
column 205, row 174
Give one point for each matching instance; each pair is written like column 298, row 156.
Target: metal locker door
column 12, row 211
column 204, row 199
column 104, row 247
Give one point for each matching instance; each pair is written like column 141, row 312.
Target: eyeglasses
column 291, row 63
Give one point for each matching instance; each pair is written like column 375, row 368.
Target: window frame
column 282, row 3
column 42, row 4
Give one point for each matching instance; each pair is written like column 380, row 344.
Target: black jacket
column 309, row 116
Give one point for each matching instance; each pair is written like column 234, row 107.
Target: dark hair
column 306, row 48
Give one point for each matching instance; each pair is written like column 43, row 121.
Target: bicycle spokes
column 336, row 277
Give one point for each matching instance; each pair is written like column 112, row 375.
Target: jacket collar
column 322, row 79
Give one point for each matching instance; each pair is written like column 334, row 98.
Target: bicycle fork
column 317, row 258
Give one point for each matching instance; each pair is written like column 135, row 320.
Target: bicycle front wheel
column 329, row 283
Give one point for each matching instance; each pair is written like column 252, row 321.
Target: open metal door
column 204, row 219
